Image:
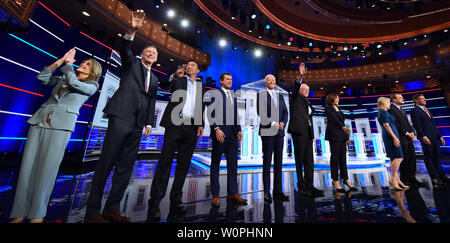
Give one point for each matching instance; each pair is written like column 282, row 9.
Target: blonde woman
column 391, row 142
column 50, row 129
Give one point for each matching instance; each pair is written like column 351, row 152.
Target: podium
column 360, row 147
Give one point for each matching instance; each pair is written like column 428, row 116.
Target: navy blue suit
column 272, row 143
column 425, row 126
column 229, row 147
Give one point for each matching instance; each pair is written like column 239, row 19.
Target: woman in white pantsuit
column 50, row 129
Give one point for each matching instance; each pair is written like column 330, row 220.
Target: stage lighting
column 345, row 48
column 355, row 48
column 197, row 30
column 289, row 43
column 310, row 44
column 85, row 13
column 268, row 26
column 222, row 43
column 233, row 46
column 253, row 16
column 379, row 46
column 184, row 23
column 156, row 3
column 445, row 31
column 171, row 13
column 258, row 53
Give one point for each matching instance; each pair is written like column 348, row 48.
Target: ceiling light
column 379, row 46
column 159, row 65
column 355, row 48
column 345, row 48
column 268, row 26
column 253, row 16
column 396, row 81
column 184, row 23
column 171, row 13
column 85, row 13
column 289, row 43
column 428, row 76
column 222, row 43
column 446, row 31
column 258, row 53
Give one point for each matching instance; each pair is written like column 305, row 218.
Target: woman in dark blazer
column 50, row 129
column 338, row 136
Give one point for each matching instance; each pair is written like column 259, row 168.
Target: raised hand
column 137, row 19
column 180, row 71
column 70, row 56
column 302, row 69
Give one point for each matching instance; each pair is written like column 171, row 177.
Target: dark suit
column 301, row 129
column 183, row 136
column 130, row 108
column 229, row 147
column 408, row 165
column 425, row 126
column 338, row 139
column 272, row 143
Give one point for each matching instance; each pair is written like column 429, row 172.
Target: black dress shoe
column 418, row 184
column 281, row 197
column 316, row 192
column 437, row 182
column 153, row 216
column 178, row 208
column 267, row 198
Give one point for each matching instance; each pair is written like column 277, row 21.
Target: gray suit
column 46, row 142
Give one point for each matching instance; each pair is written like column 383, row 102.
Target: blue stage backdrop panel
column 243, row 66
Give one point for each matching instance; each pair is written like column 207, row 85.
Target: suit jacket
column 401, row 121
column 424, row 125
column 335, row 122
column 283, row 114
column 65, row 108
column 300, row 119
column 230, row 131
column 131, row 102
column 180, row 84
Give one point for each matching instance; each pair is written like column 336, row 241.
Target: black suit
column 425, row 126
column 301, row 130
column 408, row 165
column 229, row 147
column 130, row 108
column 183, row 136
column 338, row 139
column 272, row 143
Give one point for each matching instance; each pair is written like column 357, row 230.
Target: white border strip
column 46, row 30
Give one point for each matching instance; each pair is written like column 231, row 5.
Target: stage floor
column 372, row 203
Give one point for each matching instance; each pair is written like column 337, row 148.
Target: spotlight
column 85, row 13
column 251, row 26
column 156, row 3
column 258, row 53
column 345, row 48
column 171, row 13
column 379, row 46
column 233, row 46
column 253, row 16
column 184, row 23
column 355, row 48
column 445, row 31
column 405, row 43
column 222, row 43
column 289, row 43
column 197, row 30
column 310, row 44
column 267, row 26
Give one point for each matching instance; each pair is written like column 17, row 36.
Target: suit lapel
column 143, row 75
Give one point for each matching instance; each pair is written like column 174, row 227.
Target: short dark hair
column 416, row 96
column 394, row 95
column 330, row 98
column 194, row 61
column 148, row 46
column 222, row 76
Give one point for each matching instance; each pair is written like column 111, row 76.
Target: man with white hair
column 273, row 114
column 301, row 130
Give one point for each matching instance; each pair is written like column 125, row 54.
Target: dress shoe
column 178, row 207
column 418, row 184
column 237, row 198
column 267, row 197
column 316, row 192
column 351, row 188
column 153, row 216
column 437, row 182
column 97, row 219
column 215, row 201
column 115, row 217
column 281, row 197
column 342, row 190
